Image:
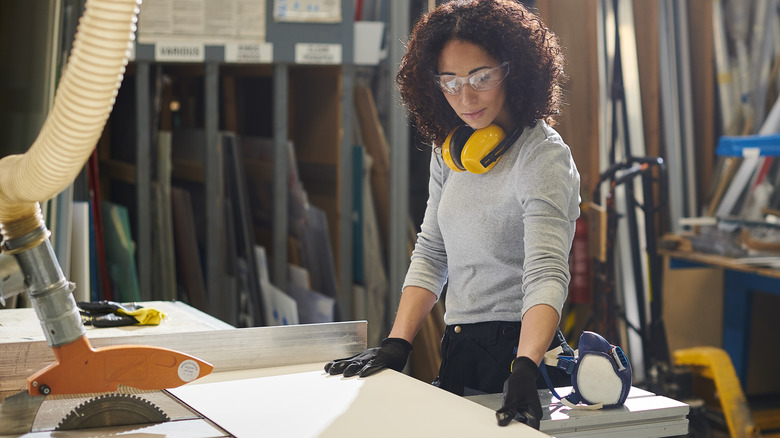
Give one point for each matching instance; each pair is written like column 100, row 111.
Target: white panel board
column 304, row 401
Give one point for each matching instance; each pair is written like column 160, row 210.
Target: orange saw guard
column 78, row 368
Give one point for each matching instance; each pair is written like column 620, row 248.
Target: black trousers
column 475, row 358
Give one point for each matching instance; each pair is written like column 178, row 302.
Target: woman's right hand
column 393, row 353
column 521, row 399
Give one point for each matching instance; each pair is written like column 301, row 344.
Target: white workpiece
column 304, row 401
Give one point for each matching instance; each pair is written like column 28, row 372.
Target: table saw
column 269, row 381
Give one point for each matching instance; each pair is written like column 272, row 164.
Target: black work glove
column 521, row 399
column 392, row 354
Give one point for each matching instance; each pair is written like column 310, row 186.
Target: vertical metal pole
column 143, row 179
column 633, row 138
column 686, row 105
column 280, row 225
column 670, row 99
column 398, row 139
column 345, row 192
column 215, row 203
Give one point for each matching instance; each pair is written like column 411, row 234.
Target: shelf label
column 308, row 11
column 309, row 53
column 179, row 51
column 261, row 53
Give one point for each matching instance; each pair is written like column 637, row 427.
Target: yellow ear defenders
column 476, row 151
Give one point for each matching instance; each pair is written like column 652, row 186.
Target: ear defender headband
column 476, row 151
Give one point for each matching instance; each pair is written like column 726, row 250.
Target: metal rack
column 283, row 36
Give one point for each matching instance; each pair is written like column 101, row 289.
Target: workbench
column 740, row 282
column 269, row 381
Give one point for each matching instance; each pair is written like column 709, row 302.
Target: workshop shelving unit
column 332, row 151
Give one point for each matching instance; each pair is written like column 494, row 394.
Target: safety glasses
column 483, row 80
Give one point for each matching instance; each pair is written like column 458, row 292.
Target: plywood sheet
column 574, row 22
column 303, row 401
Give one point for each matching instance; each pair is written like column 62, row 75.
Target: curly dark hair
column 508, row 32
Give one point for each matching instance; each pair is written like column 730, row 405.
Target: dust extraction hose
column 84, row 99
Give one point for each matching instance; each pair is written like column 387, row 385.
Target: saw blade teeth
column 112, row 410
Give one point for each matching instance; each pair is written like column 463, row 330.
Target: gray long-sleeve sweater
column 500, row 239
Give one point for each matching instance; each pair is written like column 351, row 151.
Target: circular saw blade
column 112, row 410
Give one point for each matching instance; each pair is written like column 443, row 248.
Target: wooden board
column 189, row 268
column 703, row 80
column 375, row 142
column 597, row 232
column 721, row 261
column 315, row 105
column 693, row 291
column 574, row 22
column 646, row 22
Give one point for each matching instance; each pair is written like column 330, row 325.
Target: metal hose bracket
column 17, row 232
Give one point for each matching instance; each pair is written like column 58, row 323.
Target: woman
column 498, row 233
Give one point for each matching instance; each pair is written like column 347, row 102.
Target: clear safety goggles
column 483, row 80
